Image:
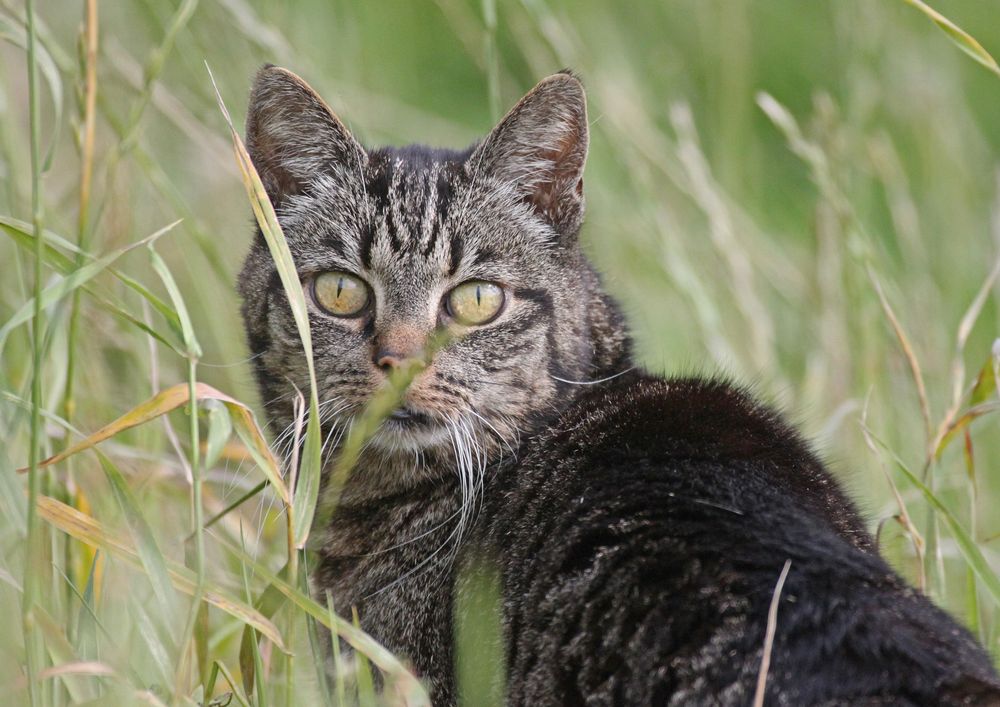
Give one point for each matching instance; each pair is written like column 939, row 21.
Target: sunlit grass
column 803, row 196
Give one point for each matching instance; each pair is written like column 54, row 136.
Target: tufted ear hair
column 540, row 147
column 293, row 136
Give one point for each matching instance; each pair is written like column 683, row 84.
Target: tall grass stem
column 34, row 545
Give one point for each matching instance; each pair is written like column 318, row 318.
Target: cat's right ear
column 293, row 136
column 540, row 148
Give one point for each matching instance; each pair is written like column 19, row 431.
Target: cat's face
column 395, row 247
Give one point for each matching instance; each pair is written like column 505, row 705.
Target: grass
column 804, row 196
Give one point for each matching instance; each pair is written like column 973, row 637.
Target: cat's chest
column 372, row 548
column 395, row 563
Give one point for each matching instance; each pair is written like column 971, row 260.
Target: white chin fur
column 391, row 438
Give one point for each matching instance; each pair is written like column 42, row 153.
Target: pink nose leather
column 389, row 359
column 398, row 344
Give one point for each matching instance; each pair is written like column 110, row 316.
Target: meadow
column 802, row 196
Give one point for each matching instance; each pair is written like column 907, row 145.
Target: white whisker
column 593, row 382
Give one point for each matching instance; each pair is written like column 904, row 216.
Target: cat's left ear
column 540, row 148
column 293, row 137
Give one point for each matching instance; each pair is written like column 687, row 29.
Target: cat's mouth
column 408, row 418
column 407, row 428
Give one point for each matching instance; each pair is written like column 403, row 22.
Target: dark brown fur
column 640, row 540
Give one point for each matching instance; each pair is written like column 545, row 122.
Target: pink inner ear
column 278, row 182
column 556, row 182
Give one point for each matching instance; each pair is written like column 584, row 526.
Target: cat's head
column 393, row 245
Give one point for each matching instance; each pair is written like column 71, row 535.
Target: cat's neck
column 396, row 518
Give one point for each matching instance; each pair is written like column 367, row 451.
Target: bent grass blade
column 91, row 532
column 77, row 278
column 966, row 544
column 403, row 681
column 308, row 476
column 25, row 239
column 962, row 39
column 172, row 398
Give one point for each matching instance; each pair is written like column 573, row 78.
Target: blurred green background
column 756, row 167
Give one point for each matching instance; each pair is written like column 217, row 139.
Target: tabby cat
column 639, row 525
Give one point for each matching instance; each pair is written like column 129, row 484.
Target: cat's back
column 640, row 539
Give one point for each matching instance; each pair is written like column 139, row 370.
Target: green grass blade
column 250, row 661
column 87, row 622
column 54, row 293
column 409, row 687
column 220, row 428
column 87, row 530
column 233, row 685
column 339, row 669
column 209, row 686
column 235, row 504
column 21, row 234
column 143, row 540
column 61, row 652
column 310, row 472
column 268, row 604
column 966, row 545
column 479, row 637
column 319, row 655
column 155, row 644
column 363, row 670
column 187, row 328
column 18, row 36
column 58, row 645
column 366, row 425
column 987, row 381
column 34, row 565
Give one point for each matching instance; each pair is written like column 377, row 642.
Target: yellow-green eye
column 340, row 294
column 475, row 302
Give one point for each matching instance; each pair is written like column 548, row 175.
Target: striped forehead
column 410, row 218
column 408, row 212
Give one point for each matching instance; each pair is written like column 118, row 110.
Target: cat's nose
column 398, row 346
column 388, row 360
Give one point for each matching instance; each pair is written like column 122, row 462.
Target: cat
column 639, row 526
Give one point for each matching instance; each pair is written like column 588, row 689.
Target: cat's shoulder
column 684, row 416
column 703, row 431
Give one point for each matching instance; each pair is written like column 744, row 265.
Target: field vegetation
column 802, row 196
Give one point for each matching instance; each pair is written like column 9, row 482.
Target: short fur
column 639, row 524
column 640, row 543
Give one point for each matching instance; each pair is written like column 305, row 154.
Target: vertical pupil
column 479, row 298
column 340, row 286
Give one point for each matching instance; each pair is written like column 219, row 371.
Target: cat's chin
column 408, row 436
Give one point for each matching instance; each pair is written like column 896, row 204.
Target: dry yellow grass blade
column 90, row 531
column 173, row 398
column 960, row 424
column 81, row 668
column 400, row 681
column 308, row 475
column 962, row 39
column 908, row 352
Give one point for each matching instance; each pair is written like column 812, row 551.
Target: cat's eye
column 475, row 302
column 340, row 293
